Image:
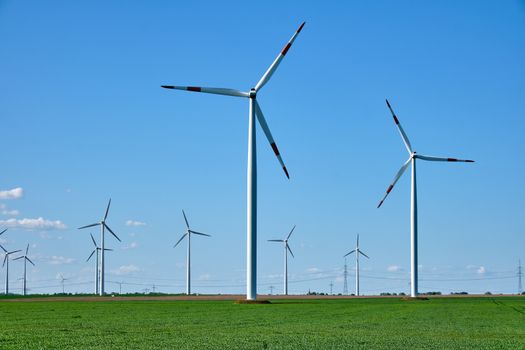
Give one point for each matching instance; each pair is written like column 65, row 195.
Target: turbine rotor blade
column 273, row 67
column 200, row 233
column 269, row 136
column 216, row 91
column 5, row 250
column 288, row 237
column 113, row 233
column 396, row 178
column 94, row 242
column 185, row 219
column 27, row 248
column 14, row 251
column 441, row 159
column 5, row 259
column 20, row 257
column 92, row 225
column 360, row 252
column 180, row 240
column 30, row 261
column 107, row 210
column 90, row 255
column 276, row 240
column 400, row 128
column 353, row 250
column 290, row 250
column 1, row 233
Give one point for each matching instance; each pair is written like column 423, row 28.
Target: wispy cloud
column 313, row 270
column 394, row 268
column 132, row 245
column 34, row 224
column 60, row 260
column 135, row 223
column 204, row 277
column 481, row 270
column 15, row 193
column 125, row 270
column 4, row 210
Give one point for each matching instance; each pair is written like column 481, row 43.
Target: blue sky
column 85, row 119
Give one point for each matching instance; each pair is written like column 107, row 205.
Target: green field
column 440, row 323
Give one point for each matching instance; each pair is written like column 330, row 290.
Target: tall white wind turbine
column 26, row 259
column 413, row 202
column 188, row 234
column 254, row 111
column 286, row 250
column 357, row 251
column 97, row 269
column 103, row 226
column 6, row 264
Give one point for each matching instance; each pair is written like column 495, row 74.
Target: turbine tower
column 286, row 250
column 253, row 112
column 6, row 264
column 413, row 202
column 97, row 269
column 26, row 259
column 103, row 226
column 357, row 251
column 62, row 280
column 188, row 233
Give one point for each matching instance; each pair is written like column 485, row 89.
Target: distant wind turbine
column 254, row 110
column 103, row 226
column 62, row 280
column 286, row 250
column 357, row 251
column 6, row 264
column 26, row 259
column 413, row 203
column 97, row 269
column 188, row 233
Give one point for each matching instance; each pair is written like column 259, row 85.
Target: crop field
column 364, row 323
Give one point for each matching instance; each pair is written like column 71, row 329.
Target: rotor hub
column 253, row 93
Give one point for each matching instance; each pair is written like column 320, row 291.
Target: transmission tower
column 331, row 288
column 520, row 274
column 345, row 285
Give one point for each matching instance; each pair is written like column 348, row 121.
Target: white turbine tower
column 103, row 226
column 413, row 203
column 188, row 233
column 6, row 264
column 26, row 259
column 286, row 250
column 254, row 111
column 97, row 269
column 62, row 280
column 357, row 251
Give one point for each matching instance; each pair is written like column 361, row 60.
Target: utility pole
column 120, row 288
column 153, row 289
column 271, row 290
column 345, row 286
column 520, row 274
column 331, row 288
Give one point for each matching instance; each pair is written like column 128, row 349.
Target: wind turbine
column 26, row 259
column 253, row 111
column 286, row 250
column 6, row 264
column 97, row 270
column 357, row 251
column 62, row 279
column 103, row 226
column 413, row 202
column 188, row 233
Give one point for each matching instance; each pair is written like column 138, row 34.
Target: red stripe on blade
column 193, row 88
column 395, row 119
column 452, row 159
column 275, row 150
column 390, row 188
column 301, row 27
column 286, row 172
column 286, row 48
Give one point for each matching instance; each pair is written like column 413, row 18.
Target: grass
column 439, row 323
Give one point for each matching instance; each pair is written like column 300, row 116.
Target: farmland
column 360, row 323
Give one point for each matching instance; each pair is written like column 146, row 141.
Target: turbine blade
column 30, row 261
column 269, row 136
column 180, row 240
column 1, row 233
column 200, row 233
column 90, row 255
column 108, row 249
column 185, row 219
column 216, row 91
column 5, row 250
column 358, row 240
column 293, row 228
column 400, row 128
column 290, row 250
column 14, row 251
column 107, row 210
column 27, row 248
column 276, row 240
column 441, row 159
column 5, row 259
column 353, row 250
column 360, row 252
column 94, row 242
column 398, row 175
column 92, row 225
column 113, row 233
column 20, row 257
column 273, row 67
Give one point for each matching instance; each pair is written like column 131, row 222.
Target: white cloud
column 132, row 245
column 33, row 224
column 126, row 270
column 135, row 223
column 15, row 193
column 5, row 211
column 205, row 277
column 60, row 260
column 394, row 268
column 481, row 270
column 339, row 279
column 313, row 270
